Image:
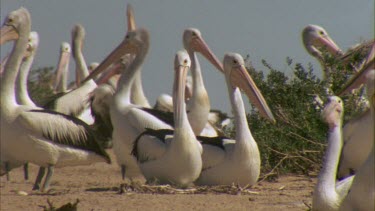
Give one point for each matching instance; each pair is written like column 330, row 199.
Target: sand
column 98, row 187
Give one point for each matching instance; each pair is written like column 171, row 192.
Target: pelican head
column 78, row 36
column 238, row 76
column 65, row 47
column 193, row 41
column 316, row 38
column 10, row 29
column 65, row 51
column 333, row 111
column 32, row 44
column 135, row 42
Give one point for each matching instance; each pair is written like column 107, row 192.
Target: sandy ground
column 98, row 186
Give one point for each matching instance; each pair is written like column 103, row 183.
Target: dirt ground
column 98, row 188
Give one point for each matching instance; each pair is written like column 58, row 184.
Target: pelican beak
column 131, row 19
column 63, row 63
column 114, row 70
column 241, row 79
column 201, row 46
column 180, row 84
column 8, row 33
column 122, row 49
column 326, row 42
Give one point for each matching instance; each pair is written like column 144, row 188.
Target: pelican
column 22, row 97
column 76, row 102
column 30, row 134
column 362, row 191
column 198, row 105
column 181, row 162
column 358, row 132
column 328, row 193
column 129, row 119
column 235, row 161
column 62, row 70
column 224, row 161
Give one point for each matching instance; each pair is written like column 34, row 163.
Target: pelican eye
column 185, row 61
column 321, row 32
column 339, row 101
column 127, row 36
column 194, row 34
column 10, row 20
column 235, row 61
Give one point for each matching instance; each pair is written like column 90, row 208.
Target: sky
column 269, row 30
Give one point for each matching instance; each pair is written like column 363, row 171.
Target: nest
column 128, row 188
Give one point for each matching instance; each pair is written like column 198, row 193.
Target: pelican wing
column 150, row 144
column 213, row 141
column 73, row 102
column 164, row 116
column 62, row 129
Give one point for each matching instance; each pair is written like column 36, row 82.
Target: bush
column 39, row 84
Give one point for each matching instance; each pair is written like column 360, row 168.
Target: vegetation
column 39, row 84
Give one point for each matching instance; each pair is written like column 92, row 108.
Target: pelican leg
column 39, row 178
column 26, row 171
column 123, row 171
column 7, row 169
column 47, row 181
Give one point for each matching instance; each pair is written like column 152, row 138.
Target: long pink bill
column 243, row 80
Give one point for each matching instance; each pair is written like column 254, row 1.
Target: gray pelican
column 61, row 81
column 328, row 193
column 181, row 162
column 31, row 134
column 235, row 161
column 358, row 132
column 362, row 191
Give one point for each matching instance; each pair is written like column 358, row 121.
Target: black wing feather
column 160, row 134
column 164, row 116
column 89, row 141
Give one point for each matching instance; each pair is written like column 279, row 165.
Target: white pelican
column 129, row 119
column 224, row 161
column 328, row 193
column 22, row 97
column 76, row 102
column 358, row 132
column 316, row 39
column 31, row 134
column 61, row 81
column 362, row 191
column 181, row 162
column 235, row 161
